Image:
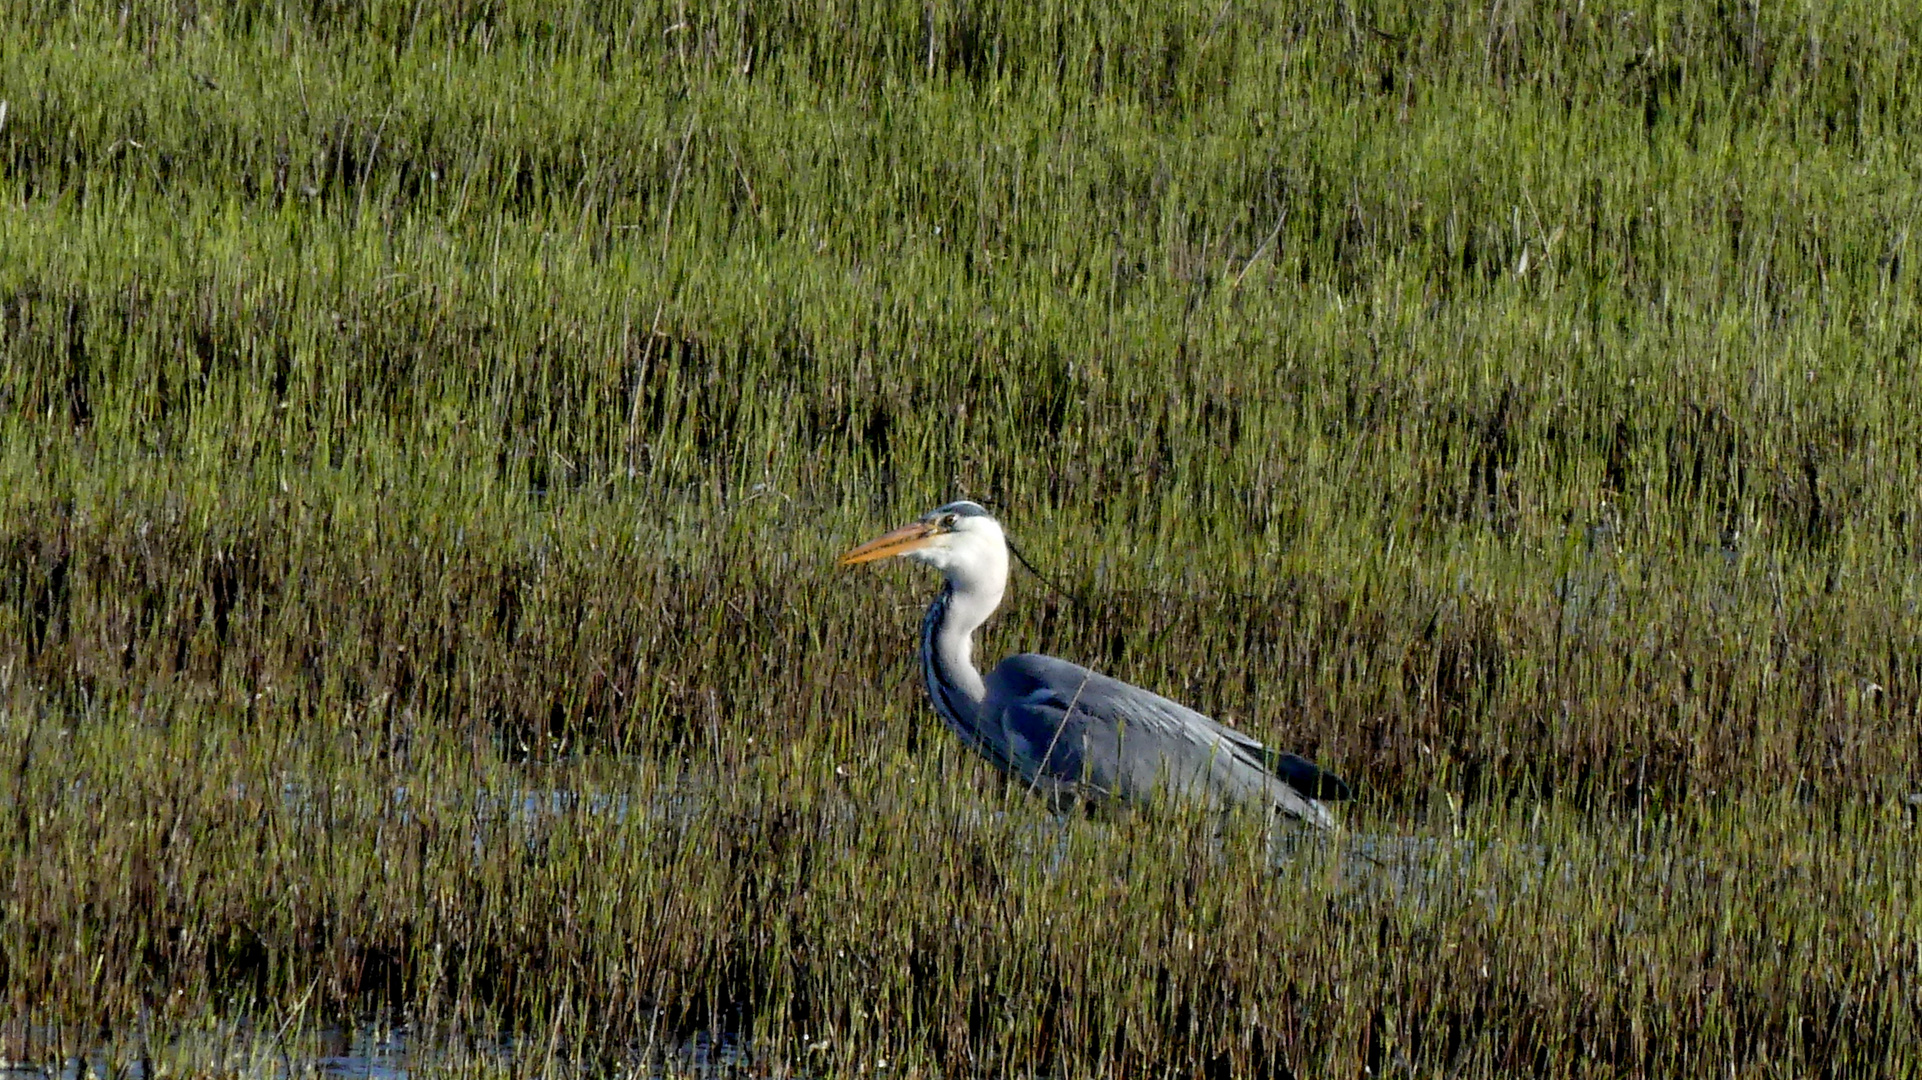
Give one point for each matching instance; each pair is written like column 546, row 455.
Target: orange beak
column 899, row 542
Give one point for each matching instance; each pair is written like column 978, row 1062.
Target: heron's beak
column 899, row 542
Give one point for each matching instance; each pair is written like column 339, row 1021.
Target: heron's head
column 961, row 540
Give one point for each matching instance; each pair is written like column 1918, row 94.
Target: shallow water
column 376, row 1051
column 1414, row 872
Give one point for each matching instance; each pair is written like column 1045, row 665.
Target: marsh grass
column 413, row 416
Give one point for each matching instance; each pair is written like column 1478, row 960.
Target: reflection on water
column 376, row 1051
column 1467, row 866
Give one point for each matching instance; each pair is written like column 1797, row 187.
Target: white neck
column 949, row 637
column 973, row 556
column 975, row 563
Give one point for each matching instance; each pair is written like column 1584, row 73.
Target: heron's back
column 1062, row 725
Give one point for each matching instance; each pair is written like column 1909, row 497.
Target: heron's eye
column 947, row 521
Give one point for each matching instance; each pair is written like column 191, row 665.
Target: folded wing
column 1067, row 728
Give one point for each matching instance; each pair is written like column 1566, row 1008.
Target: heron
column 1068, row 732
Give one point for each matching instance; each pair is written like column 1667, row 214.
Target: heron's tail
column 1307, row 777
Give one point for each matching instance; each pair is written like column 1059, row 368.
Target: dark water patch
column 368, row 1050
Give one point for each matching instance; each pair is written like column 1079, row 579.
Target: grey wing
column 1066, row 727
column 1294, row 770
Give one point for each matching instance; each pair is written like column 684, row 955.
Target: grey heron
column 1064, row 730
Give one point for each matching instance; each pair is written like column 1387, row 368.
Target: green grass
column 1507, row 405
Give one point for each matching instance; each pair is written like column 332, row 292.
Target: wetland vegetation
column 426, row 431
